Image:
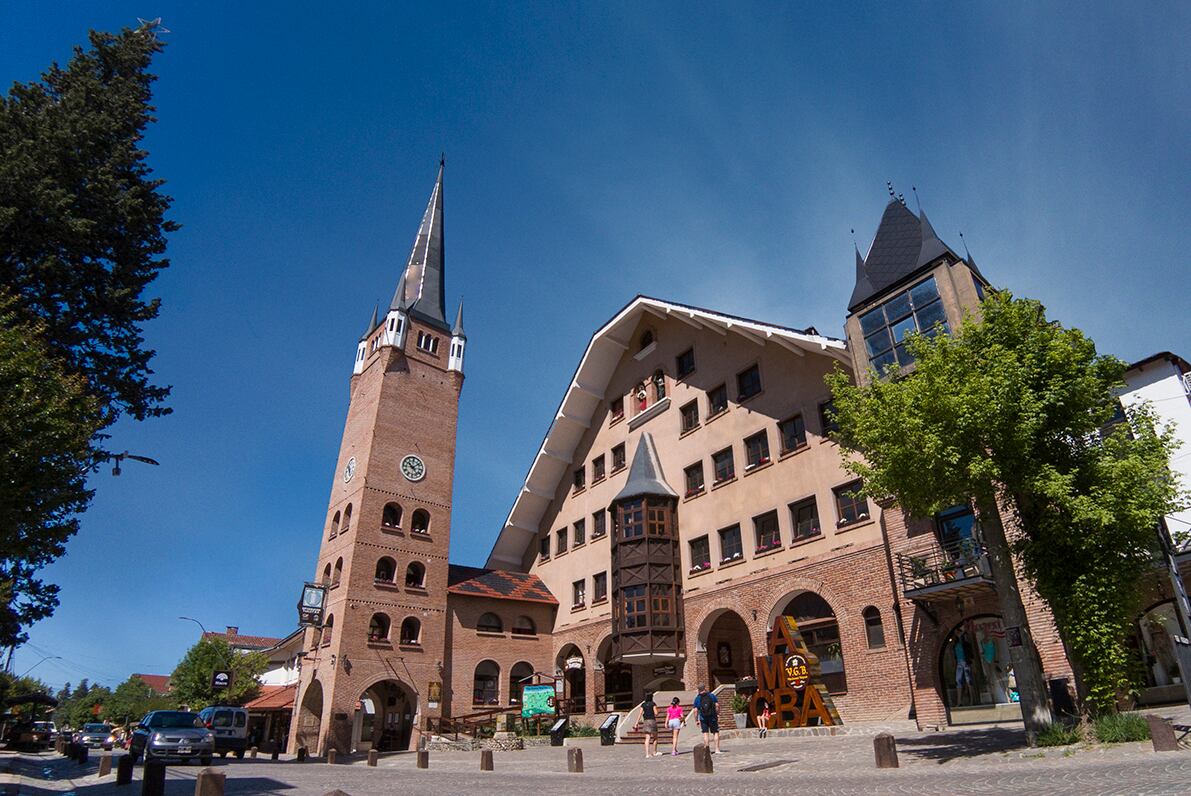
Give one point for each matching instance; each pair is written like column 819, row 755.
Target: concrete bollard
column 331, row 753
column 302, row 754
column 885, row 748
column 486, row 760
column 210, row 782
column 336, row 792
column 703, row 764
column 574, row 760
column 124, row 770
column 105, row 765
column 424, row 759
column 153, row 778
column 1162, row 734
column 252, row 752
column 373, row 756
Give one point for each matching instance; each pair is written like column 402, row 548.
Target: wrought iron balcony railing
column 945, row 570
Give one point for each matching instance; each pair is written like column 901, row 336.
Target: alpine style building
column 687, row 495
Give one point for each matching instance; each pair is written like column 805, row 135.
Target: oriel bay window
column 661, row 605
column 636, row 613
column 885, row 328
column 632, row 518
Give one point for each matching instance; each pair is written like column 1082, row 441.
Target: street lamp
column 40, row 662
column 197, row 622
column 119, row 457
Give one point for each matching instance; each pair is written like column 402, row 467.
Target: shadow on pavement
column 38, row 773
column 961, row 744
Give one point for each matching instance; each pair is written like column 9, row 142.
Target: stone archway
column 310, row 716
column 725, row 637
column 384, row 718
column 820, row 627
column 573, row 666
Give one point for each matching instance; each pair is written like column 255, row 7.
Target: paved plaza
column 979, row 761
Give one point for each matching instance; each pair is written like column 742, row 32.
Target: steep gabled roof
column 497, row 584
column 904, row 245
column 586, row 391
column 424, row 273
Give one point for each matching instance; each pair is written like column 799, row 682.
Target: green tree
column 84, row 705
column 46, row 422
column 191, row 680
column 82, row 235
column 132, row 699
column 1007, row 412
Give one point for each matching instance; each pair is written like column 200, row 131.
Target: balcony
column 946, row 571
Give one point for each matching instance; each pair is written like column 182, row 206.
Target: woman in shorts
column 674, row 723
column 649, row 723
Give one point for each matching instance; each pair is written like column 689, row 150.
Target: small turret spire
column 372, row 323
column 457, row 329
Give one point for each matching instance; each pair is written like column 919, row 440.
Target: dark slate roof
column 457, row 330
column 498, row 583
column 904, row 245
column 424, row 273
column 371, row 325
column 645, row 475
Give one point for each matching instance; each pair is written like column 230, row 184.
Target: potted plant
column 740, row 710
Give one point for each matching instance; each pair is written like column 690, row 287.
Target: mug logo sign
column 797, row 672
column 221, row 679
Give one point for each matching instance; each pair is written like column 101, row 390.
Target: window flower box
column 700, row 567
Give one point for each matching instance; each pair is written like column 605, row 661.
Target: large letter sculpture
column 788, row 680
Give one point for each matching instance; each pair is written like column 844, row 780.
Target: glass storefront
column 976, row 669
column 1155, row 628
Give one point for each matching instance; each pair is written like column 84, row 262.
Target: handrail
column 958, row 560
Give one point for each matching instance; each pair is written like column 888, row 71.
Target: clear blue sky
column 713, row 154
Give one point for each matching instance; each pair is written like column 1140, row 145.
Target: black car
column 172, row 735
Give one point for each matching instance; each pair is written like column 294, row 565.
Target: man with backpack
column 707, row 708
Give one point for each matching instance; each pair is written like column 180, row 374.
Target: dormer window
column 427, row 343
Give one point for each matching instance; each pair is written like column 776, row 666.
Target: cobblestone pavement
column 986, row 761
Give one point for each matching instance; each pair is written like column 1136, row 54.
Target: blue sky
column 712, row 154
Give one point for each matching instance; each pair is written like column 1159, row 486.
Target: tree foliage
column 85, row 703
column 132, row 699
column 47, row 419
column 1009, row 409
column 191, row 680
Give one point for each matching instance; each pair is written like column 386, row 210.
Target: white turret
column 458, row 342
column 397, row 321
column 362, row 348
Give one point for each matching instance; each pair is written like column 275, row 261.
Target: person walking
column 649, row 722
column 674, row 723
column 707, row 708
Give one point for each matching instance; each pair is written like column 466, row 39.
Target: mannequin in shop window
column 964, row 656
column 989, row 665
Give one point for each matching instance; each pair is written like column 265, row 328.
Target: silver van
column 230, row 727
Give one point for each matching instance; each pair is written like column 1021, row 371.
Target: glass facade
column 885, row 328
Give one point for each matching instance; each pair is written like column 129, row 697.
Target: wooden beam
column 746, row 334
column 530, row 490
column 786, row 344
column 573, row 419
column 583, row 388
column 620, row 343
column 554, row 455
column 678, row 315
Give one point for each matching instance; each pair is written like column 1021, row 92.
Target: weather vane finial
column 152, row 26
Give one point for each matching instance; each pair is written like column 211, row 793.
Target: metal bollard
column 373, row 756
column 574, row 760
column 153, row 778
column 424, row 759
column 331, row 757
column 486, row 760
column 124, row 770
column 885, row 748
column 210, row 782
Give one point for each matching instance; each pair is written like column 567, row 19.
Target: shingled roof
column 645, row 474
column 499, row 584
column 274, row 697
column 158, row 682
column 904, row 245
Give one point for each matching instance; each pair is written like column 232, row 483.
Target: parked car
column 94, row 736
column 49, row 728
column 172, row 734
column 230, row 726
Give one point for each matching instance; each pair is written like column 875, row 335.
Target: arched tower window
column 874, row 631
column 347, row 518
column 378, row 628
column 415, row 575
column 337, row 573
column 386, row 570
column 334, row 526
column 420, row 522
column 328, row 630
column 486, row 685
column 490, row 623
column 327, row 574
column 391, row 518
column 411, row 631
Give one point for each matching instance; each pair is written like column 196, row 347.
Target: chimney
column 232, row 631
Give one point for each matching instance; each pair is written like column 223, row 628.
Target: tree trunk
column 1027, row 665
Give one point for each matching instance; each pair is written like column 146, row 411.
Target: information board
column 537, row 700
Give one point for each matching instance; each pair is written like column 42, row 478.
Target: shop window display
column 1155, row 628
column 976, row 666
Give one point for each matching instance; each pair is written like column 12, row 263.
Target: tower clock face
column 349, row 469
column 413, row 468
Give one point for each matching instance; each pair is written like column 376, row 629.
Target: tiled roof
column 500, row 584
column 903, row 246
column 158, row 682
column 241, row 641
column 274, row 697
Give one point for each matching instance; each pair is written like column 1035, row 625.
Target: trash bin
column 608, row 730
column 558, row 731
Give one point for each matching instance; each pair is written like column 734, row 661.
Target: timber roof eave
column 586, row 390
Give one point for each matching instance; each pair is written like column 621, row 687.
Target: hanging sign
column 786, row 682
column 310, row 605
column 433, row 694
column 221, row 678
column 575, row 662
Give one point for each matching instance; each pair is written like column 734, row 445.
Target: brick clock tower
column 374, row 671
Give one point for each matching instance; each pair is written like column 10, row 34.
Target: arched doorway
column 729, row 647
column 573, row 666
column 519, row 676
column 820, row 631
column 384, row 717
column 976, row 671
column 310, row 716
column 485, row 690
column 619, row 693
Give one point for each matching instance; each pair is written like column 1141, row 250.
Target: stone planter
column 742, row 720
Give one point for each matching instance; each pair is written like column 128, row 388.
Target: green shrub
column 740, row 703
column 1121, row 728
column 1058, row 734
column 581, row 730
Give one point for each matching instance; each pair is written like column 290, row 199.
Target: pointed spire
column 864, row 286
column 398, row 302
column 372, row 323
column 423, row 278
column 457, row 330
column 645, row 474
